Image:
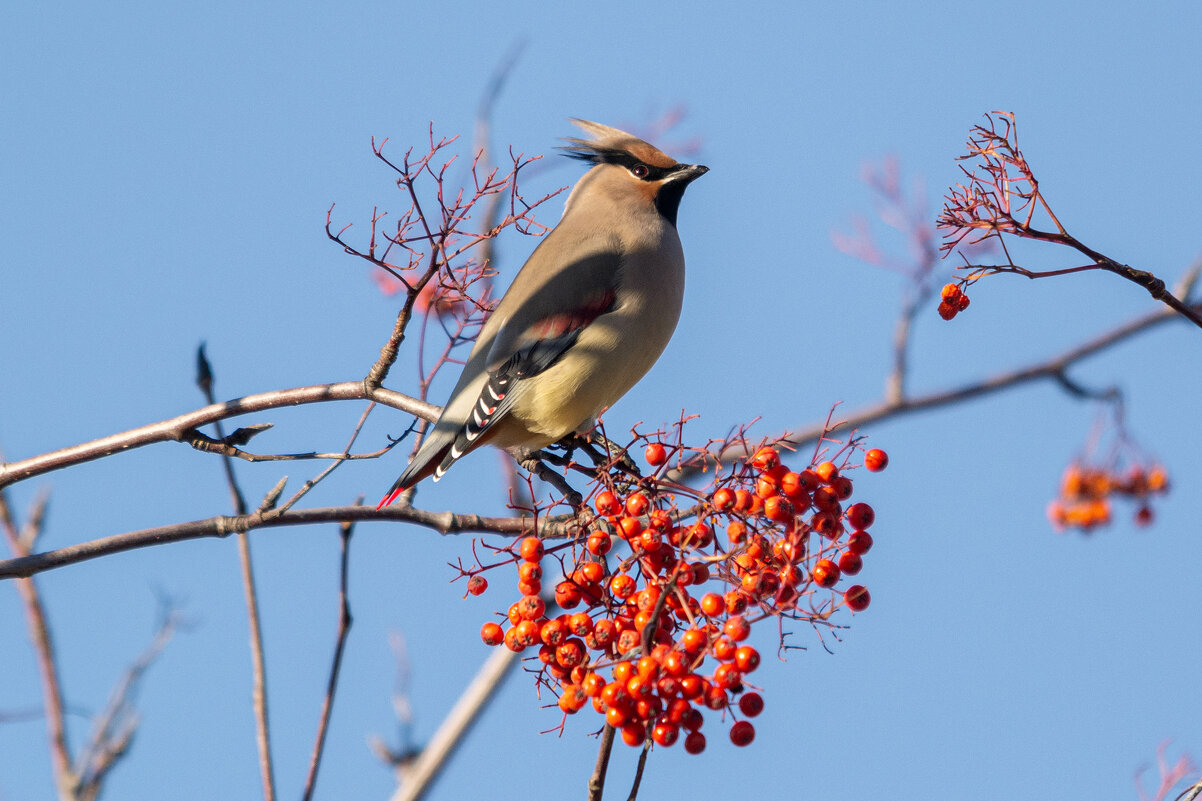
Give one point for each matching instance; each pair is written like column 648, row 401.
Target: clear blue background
column 165, row 176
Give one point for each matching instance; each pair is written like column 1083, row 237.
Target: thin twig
column 204, row 380
column 638, row 772
column 65, row 779
column 596, row 782
column 344, row 627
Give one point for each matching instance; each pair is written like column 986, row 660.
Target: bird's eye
column 640, row 171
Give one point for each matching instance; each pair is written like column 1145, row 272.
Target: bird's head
column 628, row 168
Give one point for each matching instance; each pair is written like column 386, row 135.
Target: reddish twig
column 1002, row 198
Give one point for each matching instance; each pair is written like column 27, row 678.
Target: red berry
column 742, row 733
column 860, row 515
column 751, row 704
column 665, row 734
column 857, row 598
column 694, row 743
column 859, row 542
column 655, row 454
column 876, row 460
column 477, row 584
column 850, row 563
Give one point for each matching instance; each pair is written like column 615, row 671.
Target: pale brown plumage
column 585, row 317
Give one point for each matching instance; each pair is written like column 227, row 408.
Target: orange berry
column 580, row 624
column 827, row 472
column 633, row 734
column 736, row 602
column 573, row 699
column 622, row 586
column 825, row 573
column 491, row 634
column 532, row 549
column 778, row 509
column 723, row 649
column 747, row 658
column 723, row 499
column 728, row 676
column 599, row 544
column 766, row 458
column 876, row 460
column 592, row 571
column 737, row 532
column 567, row 594
column 607, row 503
column 949, row 291
column 655, row 454
column 637, row 504
column 737, row 628
column 553, row 632
column 693, row 641
column 712, row 604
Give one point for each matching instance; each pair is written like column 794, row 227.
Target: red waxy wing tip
column 389, row 498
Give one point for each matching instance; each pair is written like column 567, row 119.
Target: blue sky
column 166, row 177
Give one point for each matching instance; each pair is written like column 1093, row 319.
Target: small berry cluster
column 659, row 601
column 1085, row 494
column 952, row 301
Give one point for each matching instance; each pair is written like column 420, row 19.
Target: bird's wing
column 536, row 323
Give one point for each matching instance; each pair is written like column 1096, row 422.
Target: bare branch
column 344, row 627
column 178, row 429
column 417, row 775
column 43, row 644
column 223, row 526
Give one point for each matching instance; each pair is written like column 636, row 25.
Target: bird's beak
column 687, row 173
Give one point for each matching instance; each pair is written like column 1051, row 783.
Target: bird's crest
column 612, row 146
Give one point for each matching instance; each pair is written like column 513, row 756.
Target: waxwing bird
column 585, row 318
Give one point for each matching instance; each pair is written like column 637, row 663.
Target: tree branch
column 224, row 525
column 179, row 429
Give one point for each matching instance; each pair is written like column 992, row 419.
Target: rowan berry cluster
column 663, row 585
column 1085, row 494
column 952, row 301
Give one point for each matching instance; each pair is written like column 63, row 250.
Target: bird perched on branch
column 584, row 319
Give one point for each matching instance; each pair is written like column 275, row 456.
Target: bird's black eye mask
column 609, row 155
